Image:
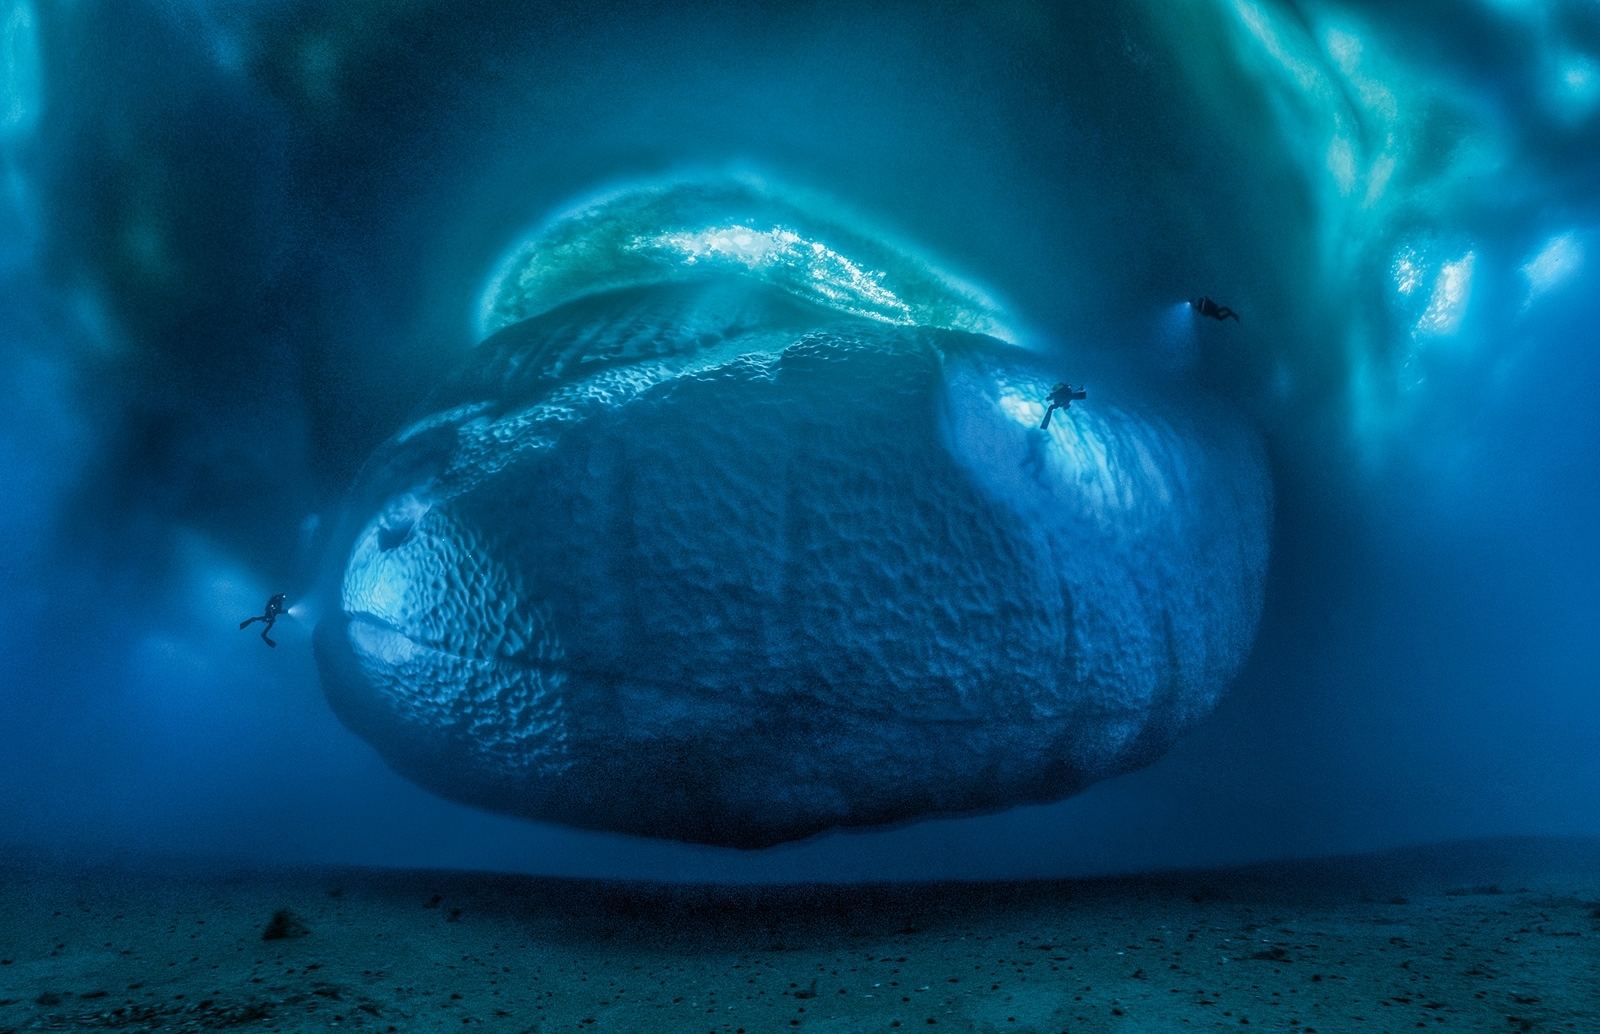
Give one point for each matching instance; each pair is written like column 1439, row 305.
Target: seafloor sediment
column 1486, row 936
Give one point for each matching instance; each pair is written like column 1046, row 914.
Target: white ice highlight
column 1451, row 292
column 1557, row 261
column 806, row 267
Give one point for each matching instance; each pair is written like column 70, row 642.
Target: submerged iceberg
column 757, row 539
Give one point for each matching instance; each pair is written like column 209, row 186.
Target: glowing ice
column 1451, row 291
column 821, row 270
column 668, row 231
column 1579, row 89
column 20, row 83
column 1556, row 262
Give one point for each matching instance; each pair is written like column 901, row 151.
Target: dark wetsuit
column 1061, row 397
column 274, row 608
column 1207, row 307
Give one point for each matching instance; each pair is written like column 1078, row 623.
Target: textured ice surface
column 686, row 229
column 705, row 559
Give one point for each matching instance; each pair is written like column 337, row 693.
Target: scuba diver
column 1206, row 307
column 274, row 608
column 1061, row 397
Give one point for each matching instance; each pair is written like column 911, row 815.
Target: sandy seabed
column 1482, row 936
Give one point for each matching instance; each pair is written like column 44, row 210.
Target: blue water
column 240, row 245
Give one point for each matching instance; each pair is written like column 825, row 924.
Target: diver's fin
column 1045, row 425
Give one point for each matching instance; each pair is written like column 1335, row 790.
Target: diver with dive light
column 1061, row 397
column 1206, row 307
column 275, row 608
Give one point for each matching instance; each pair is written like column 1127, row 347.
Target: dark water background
column 238, row 242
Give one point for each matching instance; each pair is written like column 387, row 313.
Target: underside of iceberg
column 740, row 525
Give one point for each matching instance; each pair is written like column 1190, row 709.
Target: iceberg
column 737, row 549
